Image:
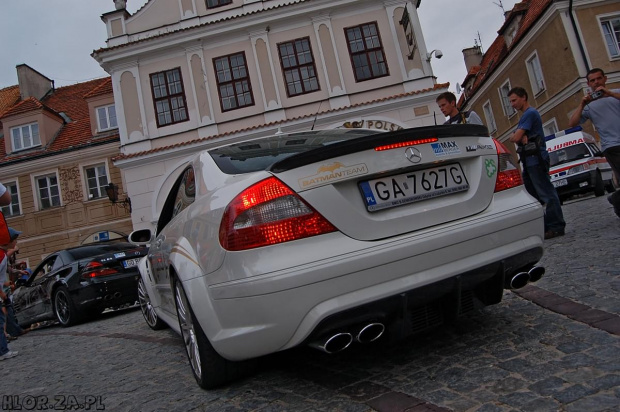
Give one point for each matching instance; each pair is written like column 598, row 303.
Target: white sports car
column 332, row 237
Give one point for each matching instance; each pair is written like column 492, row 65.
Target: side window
column 25, row 137
column 106, row 118
column 181, row 195
column 366, row 51
column 186, row 192
column 488, row 114
column 169, row 97
column 96, row 181
column 534, row 70
column 611, row 33
column 503, row 95
column 217, row 3
column 45, row 268
column 298, row 67
column 13, row 208
column 233, row 82
column 48, row 191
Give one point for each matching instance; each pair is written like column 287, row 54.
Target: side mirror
column 141, row 237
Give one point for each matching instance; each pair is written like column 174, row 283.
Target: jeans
column 538, row 184
column 12, row 327
column 4, row 348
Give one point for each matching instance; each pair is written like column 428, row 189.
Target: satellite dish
column 458, row 88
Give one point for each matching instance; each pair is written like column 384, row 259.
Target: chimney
column 472, row 56
column 32, row 83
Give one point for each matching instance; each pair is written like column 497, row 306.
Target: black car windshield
column 260, row 154
column 569, row 154
column 96, row 250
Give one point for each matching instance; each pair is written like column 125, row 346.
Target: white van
column 577, row 164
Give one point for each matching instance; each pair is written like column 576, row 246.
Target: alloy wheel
column 148, row 311
column 188, row 331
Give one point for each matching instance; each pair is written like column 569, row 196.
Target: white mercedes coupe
column 332, row 238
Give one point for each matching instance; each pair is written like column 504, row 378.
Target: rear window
column 260, row 154
column 95, row 250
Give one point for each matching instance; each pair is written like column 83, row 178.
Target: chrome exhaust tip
column 519, row 280
column 536, row 273
column 334, row 343
column 370, row 333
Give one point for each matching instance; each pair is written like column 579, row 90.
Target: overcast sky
column 56, row 37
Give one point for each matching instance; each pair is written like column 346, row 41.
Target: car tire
column 64, row 308
column 599, row 186
column 148, row 311
column 209, row 368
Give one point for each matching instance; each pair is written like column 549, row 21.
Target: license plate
column 560, row 182
column 414, row 186
column 129, row 263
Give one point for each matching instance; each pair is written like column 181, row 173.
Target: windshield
column 569, row 154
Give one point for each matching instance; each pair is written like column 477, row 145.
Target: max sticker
column 445, row 148
column 332, row 172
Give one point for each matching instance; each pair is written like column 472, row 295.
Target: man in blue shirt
column 602, row 106
column 530, row 140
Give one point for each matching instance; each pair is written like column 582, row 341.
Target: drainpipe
column 572, row 20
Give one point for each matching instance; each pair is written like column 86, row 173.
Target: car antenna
column 316, row 115
column 435, row 117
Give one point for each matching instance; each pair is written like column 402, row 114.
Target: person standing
column 447, row 104
column 5, row 353
column 530, row 140
column 602, row 106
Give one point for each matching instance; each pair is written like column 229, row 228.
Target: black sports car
column 72, row 284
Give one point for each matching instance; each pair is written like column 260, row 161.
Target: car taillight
column 508, row 175
column 96, row 269
column 267, row 213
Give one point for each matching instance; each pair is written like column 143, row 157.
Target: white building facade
column 192, row 74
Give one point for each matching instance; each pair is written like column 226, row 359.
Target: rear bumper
column 108, row 293
column 268, row 312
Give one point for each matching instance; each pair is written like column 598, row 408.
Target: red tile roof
column 273, row 124
column 103, row 89
column 531, row 10
column 69, row 101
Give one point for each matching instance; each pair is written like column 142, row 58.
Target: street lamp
column 112, row 192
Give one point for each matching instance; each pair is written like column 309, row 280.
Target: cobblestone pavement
column 554, row 346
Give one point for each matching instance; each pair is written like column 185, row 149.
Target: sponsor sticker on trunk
column 332, row 172
column 445, row 148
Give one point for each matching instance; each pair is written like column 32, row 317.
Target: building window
column 233, row 82
column 611, row 32
column 366, row 52
column 48, row 190
column 298, row 67
column 26, row 136
column 217, row 3
column 488, row 114
column 550, row 127
column 13, row 208
column 106, row 118
column 503, row 95
column 96, row 181
column 535, row 72
column 169, row 97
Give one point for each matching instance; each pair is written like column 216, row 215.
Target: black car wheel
column 65, row 310
column 148, row 311
column 209, row 368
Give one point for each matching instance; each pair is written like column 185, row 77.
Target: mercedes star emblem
column 413, row 155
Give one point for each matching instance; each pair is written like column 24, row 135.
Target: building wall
column 45, row 231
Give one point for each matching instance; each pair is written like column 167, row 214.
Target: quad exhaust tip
column 335, row 343
column 370, row 333
column 523, row 278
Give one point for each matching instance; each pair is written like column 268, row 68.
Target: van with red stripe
column 577, row 164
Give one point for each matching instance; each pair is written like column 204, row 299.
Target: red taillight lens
column 267, row 213
column 97, row 269
column 508, row 175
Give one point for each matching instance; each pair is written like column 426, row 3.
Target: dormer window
column 106, row 118
column 25, row 136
